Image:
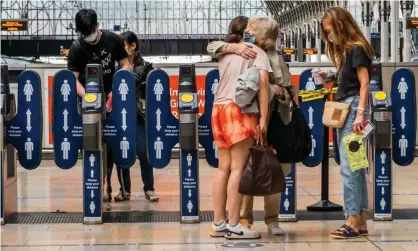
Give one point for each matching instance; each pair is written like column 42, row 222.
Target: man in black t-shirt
column 95, row 46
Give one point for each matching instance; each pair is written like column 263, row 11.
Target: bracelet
column 361, row 109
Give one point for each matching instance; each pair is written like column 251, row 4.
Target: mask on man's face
column 92, row 38
column 249, row 38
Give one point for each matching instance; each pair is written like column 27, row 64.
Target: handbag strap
column 260, row 139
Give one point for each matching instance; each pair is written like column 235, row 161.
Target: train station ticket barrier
column 21, row 131
column 164, row 131
column 91, row 131
column 394, row 116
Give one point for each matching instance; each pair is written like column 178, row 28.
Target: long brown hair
column 236, row 29
column 345, row 27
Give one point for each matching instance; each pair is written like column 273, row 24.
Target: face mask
column 93, row 37
column 330, row 39
column 249, row 38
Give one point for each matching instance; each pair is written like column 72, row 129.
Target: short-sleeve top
column 349, row 83
column 231, row 66
column 106, row 52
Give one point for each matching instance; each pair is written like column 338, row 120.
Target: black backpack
column 140, row 74
column 292, row 142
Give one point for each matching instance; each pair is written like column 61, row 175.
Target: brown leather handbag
column 263, row 174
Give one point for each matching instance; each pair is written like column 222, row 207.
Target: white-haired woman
column 263, row 32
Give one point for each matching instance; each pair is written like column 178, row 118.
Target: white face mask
column 330, row 39
column 92, row 37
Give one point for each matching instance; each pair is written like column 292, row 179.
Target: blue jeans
column 147, row 170
column 355, row 184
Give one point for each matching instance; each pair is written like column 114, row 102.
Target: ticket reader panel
column 189, row 158
column 92, row 115
column 376, row 77
column 381, row 166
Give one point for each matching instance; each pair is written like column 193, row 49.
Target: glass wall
column 150, row 17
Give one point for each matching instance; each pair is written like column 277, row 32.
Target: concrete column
column 308, row 41
column 407, row 43
column 384, row 33
column 394, row 30
column 318, row 40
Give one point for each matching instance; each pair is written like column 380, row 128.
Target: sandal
column 344, row 232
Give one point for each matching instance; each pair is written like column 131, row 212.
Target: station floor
column 50, row 189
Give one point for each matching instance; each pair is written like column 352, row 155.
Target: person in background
column 96, row 46
column 351, row 54
column 141, row 68
column 266, row 31
column 234, row 133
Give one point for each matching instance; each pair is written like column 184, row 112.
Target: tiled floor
column 49, row 188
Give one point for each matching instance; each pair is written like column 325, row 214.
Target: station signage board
column 412, row 23
column 14, row 25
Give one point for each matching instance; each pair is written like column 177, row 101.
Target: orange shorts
column 230, row 125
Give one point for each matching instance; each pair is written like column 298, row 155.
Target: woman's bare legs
column 239, row 157
column 363, row 220
column 220, row 184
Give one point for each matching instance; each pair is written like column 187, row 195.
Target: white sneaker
column 151, row 196
column 240, row 232
column 218, row 231
column 275, row 229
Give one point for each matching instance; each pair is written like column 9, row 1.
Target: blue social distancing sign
column 404, row 116
column 161, row 126
column 67, row 126
column 24, row 131
column 205, row 125
column 312, row 111
column 120, row 127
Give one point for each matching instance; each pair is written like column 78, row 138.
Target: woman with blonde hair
column 234, row 133
column 351, row 54
column 263, row 32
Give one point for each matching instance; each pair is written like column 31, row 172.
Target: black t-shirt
column 349, row 84
column 106, row 52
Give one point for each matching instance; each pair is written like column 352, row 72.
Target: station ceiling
column 290, row 13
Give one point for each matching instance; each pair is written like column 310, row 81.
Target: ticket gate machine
column 93, row 113
column 8, row 165
column 20, row 133
column 381, row 157
column 189, row 145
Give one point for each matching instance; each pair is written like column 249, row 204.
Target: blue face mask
column 249, row 38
